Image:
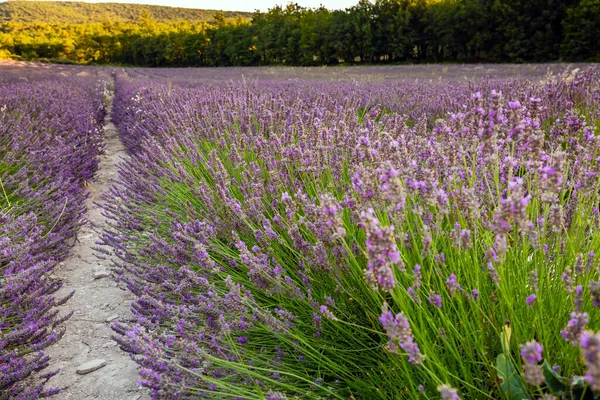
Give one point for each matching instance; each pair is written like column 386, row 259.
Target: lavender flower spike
column 447, row 392
column 399, row 332
column 590, row 346
column 575, row 327
column 382, row 252
column 531, row 352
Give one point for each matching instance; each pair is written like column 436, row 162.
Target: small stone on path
column 91, row 366
column 100, row 274
column 112, row 318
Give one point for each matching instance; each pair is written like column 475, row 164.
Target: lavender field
column 50, row 139
column 418, row 232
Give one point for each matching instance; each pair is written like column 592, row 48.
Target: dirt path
column 96, row 302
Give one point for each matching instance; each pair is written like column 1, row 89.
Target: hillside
column 79, row 12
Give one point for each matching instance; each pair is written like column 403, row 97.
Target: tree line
column 383, row 31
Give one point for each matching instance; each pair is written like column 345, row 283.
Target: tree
column 582, row 32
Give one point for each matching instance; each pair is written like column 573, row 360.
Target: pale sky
column 238, row 5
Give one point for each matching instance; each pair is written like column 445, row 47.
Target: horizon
column 224, row 5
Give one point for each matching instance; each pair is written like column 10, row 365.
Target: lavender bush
column 50, row 139
column 311, row 239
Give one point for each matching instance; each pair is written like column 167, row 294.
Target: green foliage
column 62, row 12
column 379, row 32
column 510, row 379
column 512, row 384
column 556, row 383
column 582, row 31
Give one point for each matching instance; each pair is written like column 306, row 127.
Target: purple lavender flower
column 578, row 268
column 417, row 274
column 447, row 392
column 285, row 197
column 531, row 352
column 578, row 299
column 465, row 238
column 493, row 273
column 535, row 281
column 413, row 294
column 435, row 299
column 413, row 290
column 552, row 179
column 399, row 332
column 327, row 313
column 568, row 282
column 591, row 257
column 556, row 217
column 530, row 299
column 453, row 285
column 382, row 252
column 590, row 346
column 331, row 210
column 575, row 327
column 514, row 104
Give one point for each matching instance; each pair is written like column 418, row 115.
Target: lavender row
column 50, row 140
column 319, row 240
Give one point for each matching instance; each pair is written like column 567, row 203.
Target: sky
column 238, row 5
